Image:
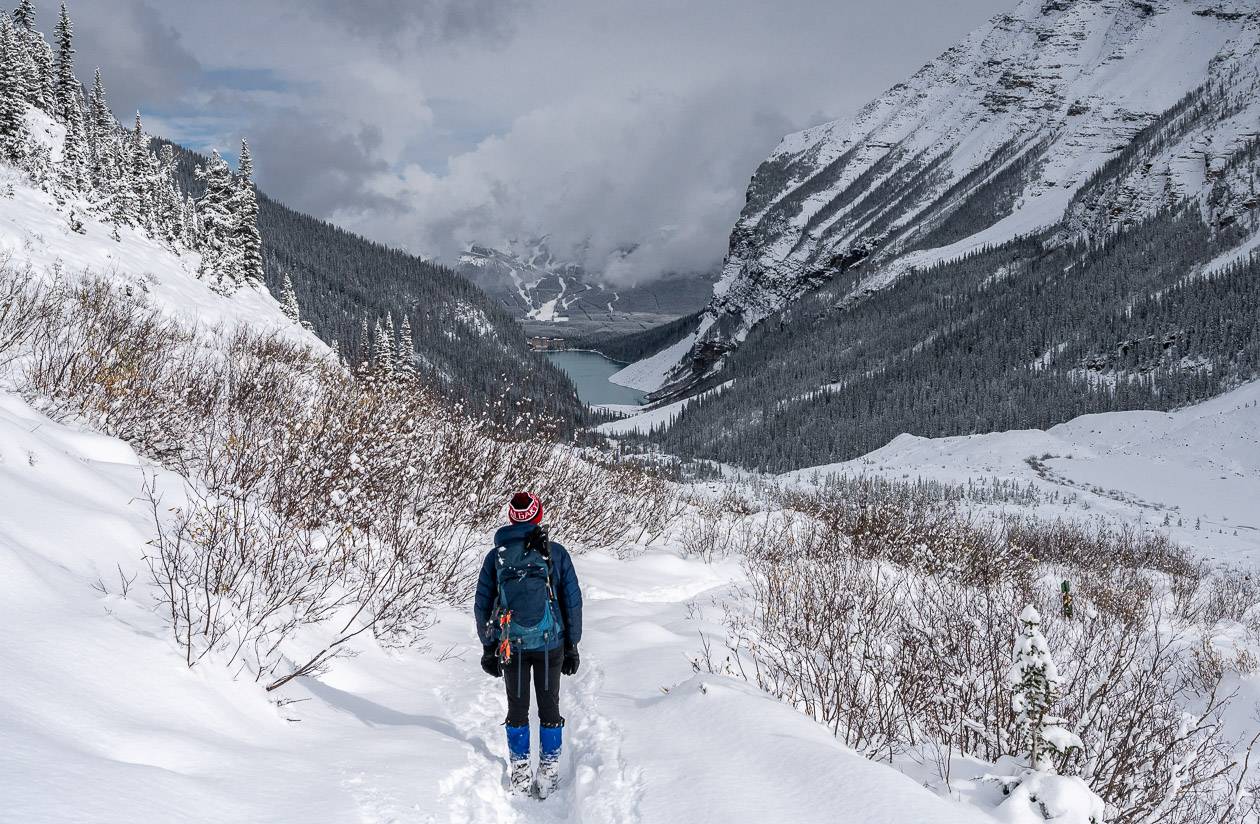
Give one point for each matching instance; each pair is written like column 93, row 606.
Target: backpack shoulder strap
column 540, row 540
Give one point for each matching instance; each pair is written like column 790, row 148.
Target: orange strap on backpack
column 505, row 644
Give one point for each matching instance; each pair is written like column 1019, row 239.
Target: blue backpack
column 526, row 614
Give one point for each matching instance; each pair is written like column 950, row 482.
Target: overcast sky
column 433, row 123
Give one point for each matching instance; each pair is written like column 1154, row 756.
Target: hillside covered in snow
column 362, row 297
column 236, row 572
column 118, row 451
column 1050, row 219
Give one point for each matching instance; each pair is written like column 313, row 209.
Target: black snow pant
column 545, row 669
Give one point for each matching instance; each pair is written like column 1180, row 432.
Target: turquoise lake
column 589, row 372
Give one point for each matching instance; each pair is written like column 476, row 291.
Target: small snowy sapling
column 1034, row 679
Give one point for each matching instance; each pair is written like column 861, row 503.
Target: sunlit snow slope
column 36, row 231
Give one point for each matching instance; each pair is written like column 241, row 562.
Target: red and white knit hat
column 525, row 507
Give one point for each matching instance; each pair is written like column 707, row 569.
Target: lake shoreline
column 590, row 370
column 588, row 351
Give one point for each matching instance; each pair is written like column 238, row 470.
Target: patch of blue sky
column 458, row 126
column 248, row 79
column 199, row 132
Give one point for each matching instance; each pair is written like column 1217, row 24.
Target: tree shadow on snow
column 374, row 714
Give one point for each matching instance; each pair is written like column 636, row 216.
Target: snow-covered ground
column 36, row 232
column 642, row 423
column 649, row 374
column 102, row 721
column 1197, row 468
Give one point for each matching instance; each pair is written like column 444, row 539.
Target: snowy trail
column 103, row 722
column 597, row 787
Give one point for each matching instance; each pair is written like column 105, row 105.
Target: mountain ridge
column 346, row 283
column 554, row 296
column 998, row 137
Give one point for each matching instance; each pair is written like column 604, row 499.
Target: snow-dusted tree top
column 1035, row 681
column 91, row 162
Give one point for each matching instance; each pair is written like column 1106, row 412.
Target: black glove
column 571, row 660
column 490, row 661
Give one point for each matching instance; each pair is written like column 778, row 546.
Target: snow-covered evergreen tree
column 289, row 301
column 383, row 346
column 365, row 341
column 43, row 83
column 245, row 209
column 12, row 102
column 221, row 259
column 190, row 224
column 18, row 52
column 1034, row 679
column 67, row 85
column 69, row 109
column 405, row 357
column 24, row 15
column 100, row 128
column 168, row 206
column 124, row 207
column 142, row 170
column 31, row 45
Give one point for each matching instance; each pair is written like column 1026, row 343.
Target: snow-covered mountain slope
column 1004, row 134
column 103, row 722
column 544, row 291
column 36, row 231
column 345, row 284
column 1194, row 472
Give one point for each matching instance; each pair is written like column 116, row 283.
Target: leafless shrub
column 318, row 502
column 1101, row 546
column 23, row 304
column 1124, row 594
column 711, row 530
column 1231, row 595
column 882, row 622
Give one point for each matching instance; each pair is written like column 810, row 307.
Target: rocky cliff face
column 1087, row 115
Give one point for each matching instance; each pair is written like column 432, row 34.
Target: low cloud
column 625, row 131
column 143, row 57
column 631, row 186
column 423, row 21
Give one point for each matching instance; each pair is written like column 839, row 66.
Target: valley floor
column 1193, row 472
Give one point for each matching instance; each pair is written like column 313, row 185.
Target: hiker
column 529, row 618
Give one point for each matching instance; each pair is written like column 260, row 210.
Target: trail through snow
column 597, row 785
column 102, row 721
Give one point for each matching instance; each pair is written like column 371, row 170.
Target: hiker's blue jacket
column 563, row 581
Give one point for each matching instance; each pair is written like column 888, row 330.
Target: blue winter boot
column 518, row 758
column 549, row 741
